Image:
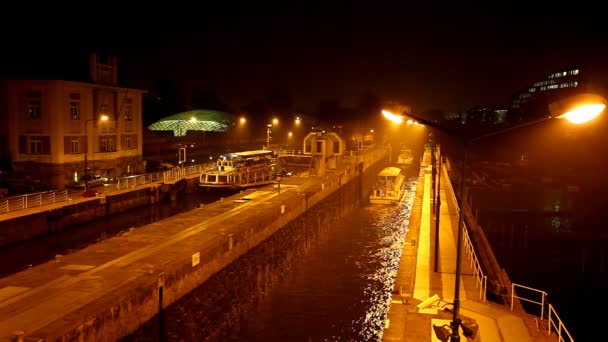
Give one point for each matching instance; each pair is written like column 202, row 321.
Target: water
column 341, row 290
column 555, row 244
column 333, row 282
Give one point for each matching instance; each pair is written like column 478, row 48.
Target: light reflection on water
column 341, row 290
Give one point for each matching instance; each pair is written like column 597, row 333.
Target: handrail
column 481, row 280
column 53, row 196
column 553, row 324
column 32, row 200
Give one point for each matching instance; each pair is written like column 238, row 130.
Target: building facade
column 52, row 128
column 534, row 100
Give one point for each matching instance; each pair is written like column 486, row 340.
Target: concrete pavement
column 417, row 280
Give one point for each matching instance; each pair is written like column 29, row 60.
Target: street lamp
column 268, row 131
column 86, row 148
column 576, row 109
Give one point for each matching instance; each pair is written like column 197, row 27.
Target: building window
column 75, row 110
column 128, row 142
column 104, row 109
column 34, row 144
column 107, row 143
column 74, row 144
column 33, row 109
column 129, row 112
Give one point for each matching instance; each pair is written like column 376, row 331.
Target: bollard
column 282, row 209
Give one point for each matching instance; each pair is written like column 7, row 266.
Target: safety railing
column 32, row 200
column 172, row 175
column 49, row 197
column 554, row 322
column 481, row 280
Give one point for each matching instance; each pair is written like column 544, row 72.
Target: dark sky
column 447, row 61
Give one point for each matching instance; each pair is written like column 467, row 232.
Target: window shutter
column 23, row 144
column 67, row 145
column 46, row 145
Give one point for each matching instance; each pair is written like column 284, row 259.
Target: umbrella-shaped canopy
column 199, row 120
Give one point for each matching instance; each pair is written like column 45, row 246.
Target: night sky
column 448, row 61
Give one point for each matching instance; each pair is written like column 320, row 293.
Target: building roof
column 199, row 120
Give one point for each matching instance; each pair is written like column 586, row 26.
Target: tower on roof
column 103, row 68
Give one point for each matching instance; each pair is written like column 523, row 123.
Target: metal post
column 433, row 175
column 86, row 152
column 268, row 136
column 437, row 216
column 455, row 337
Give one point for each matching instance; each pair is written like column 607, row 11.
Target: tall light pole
column 576, row 109
column 268, row 131
column 86, row 148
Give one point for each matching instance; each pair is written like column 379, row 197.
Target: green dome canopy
column 199, row 120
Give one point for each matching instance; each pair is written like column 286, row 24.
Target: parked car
column 93, row 181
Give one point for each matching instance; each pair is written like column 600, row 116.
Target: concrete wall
column 118, row 314
column 27, row 227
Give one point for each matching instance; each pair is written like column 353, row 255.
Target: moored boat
column 405, row 157
column 241, row 170
column 389, row 186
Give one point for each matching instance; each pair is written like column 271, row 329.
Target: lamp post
column 576, row 109
column 268, row 131
column 86, row 148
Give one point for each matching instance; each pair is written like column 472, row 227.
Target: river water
column 340, row 291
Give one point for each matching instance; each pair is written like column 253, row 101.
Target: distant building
column 477, row 117
column 49, row 127
column 534, row 100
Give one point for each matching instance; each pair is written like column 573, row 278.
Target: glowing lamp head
column 392, row 117
column 578, row 108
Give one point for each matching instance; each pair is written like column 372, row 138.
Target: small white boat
column 389, row 187
column 405, row 157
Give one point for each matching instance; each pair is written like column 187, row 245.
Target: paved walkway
column 417, row 280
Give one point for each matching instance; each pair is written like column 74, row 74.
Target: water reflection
column 341, row 290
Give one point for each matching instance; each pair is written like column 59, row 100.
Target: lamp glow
column 584, row 113
column 392, row 117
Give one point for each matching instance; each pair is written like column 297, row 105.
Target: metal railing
column 49, row 197
column 481, row 280
column 32, row 200
column 172, row 175
column 554, row 322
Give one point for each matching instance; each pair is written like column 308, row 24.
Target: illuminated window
column 33, row 105
column 575, row 84
column 74, row 145
column 575, row 72
column 553, row 86
column 75, row 110
column 129, row 112
column 35, row 145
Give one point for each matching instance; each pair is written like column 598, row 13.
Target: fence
column 554, row 322
column 50, row 197
column 33, row 200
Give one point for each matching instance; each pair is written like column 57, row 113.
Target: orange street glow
column 392, row 117
column 584, row 113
